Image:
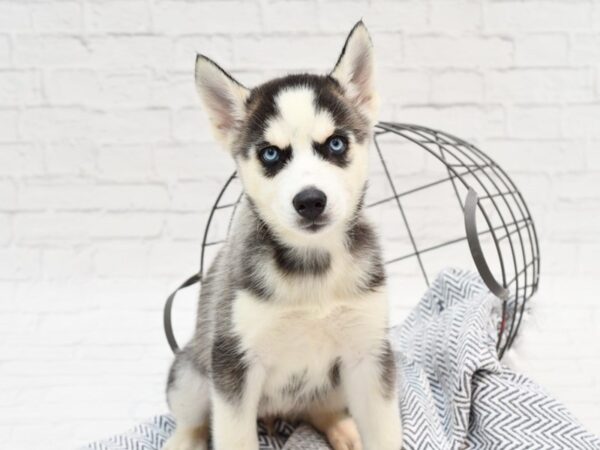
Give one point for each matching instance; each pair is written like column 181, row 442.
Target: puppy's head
column 300, row 142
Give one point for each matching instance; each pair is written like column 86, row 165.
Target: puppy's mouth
column 313, row 226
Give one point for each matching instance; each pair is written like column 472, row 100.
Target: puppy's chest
column 302, row 347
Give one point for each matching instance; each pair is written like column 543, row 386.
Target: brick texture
column 108, row 170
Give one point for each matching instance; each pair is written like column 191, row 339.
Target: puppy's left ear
column 355, row 71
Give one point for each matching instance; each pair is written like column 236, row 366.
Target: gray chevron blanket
column 454, row 392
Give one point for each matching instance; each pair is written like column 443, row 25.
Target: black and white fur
column 293, row 314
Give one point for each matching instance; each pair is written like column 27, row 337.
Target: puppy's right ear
column 223, row 97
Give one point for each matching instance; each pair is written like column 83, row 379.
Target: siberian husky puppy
column 292, row 318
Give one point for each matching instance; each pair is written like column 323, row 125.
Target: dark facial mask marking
column 270, row 170
column 329, row 96
column 324, row 151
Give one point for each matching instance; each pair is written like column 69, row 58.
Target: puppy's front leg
column 370, row 389
column 234, row 414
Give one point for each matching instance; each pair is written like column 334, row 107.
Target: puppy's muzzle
column 310, row 203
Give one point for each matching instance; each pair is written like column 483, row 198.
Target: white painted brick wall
column 108, row 169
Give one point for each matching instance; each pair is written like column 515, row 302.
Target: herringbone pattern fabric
column 454, row 392
column 153, row 434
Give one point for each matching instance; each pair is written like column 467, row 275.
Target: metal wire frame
column 468, row 169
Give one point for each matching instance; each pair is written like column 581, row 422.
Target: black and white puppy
column 293, row 316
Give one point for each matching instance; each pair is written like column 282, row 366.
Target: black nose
column 310, row 203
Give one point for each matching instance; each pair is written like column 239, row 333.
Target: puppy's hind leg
column 338, row 427
column 189, row 400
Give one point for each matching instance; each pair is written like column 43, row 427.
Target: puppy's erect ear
column 223, row 97
column 355, row 69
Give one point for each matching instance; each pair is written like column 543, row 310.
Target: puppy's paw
column 342, row 434
column 188, row 439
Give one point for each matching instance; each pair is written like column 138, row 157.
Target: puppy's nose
column 310, row 203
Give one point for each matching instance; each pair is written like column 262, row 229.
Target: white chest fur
column 299, row 344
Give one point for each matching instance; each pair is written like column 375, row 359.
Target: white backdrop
column 107, row 171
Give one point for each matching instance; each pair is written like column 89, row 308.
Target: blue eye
column 337, row 145
column 270, row 155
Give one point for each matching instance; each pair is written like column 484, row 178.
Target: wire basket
column 439, row 201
